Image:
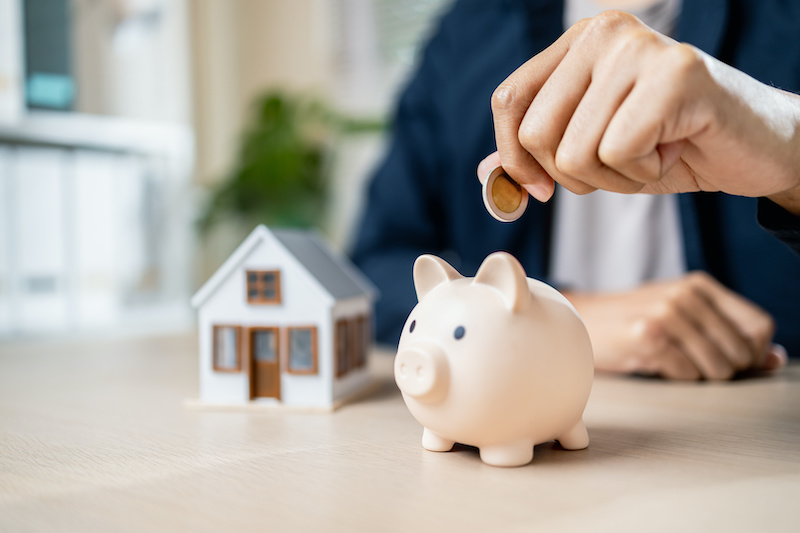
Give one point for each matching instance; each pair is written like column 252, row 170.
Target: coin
column 503, row 197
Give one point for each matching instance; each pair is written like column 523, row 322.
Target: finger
column 674, row 364
column 752, row 322
column 703, row 353
column 707, row 319
column 489, row 163
column 647, row 136
column 611, row 82
column 549, row 113
column 510, row 103
column 629, row 144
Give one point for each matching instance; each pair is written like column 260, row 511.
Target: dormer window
column 263, row 286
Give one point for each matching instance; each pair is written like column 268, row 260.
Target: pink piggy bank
column 498, row 361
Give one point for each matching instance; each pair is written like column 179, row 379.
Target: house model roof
column 335, row 274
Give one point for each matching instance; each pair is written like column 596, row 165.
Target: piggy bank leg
column 576, row 438
column 433, row 442
column 510, row 454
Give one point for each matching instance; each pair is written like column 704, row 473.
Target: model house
column 285, row 321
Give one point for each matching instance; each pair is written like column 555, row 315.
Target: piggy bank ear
column 503, row 272
column 430, row 271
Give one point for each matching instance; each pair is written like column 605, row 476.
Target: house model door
column 265, row 372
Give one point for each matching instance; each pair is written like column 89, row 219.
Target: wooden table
column 94, row 436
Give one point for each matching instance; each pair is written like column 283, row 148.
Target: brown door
column 265, row 372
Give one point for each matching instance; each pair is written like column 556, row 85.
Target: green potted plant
column 283, row 165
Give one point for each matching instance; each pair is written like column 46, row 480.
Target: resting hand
column 689, row 328
column 614, row 105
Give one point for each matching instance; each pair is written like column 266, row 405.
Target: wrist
column 789, row 200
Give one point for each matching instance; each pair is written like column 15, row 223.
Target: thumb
column 491, row 162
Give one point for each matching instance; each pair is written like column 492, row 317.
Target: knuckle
column 503, row 97
column 533, row 137
column 613, row 155
column 698, row 280
column 684, row 61
column 611, row 20
column 633, row 42
column 768, row 324
column 675, row 295
column 763, row 328
column 572, row 162
column 603, row 28
column 668, row 308
column 581, row 26
column 650, row 332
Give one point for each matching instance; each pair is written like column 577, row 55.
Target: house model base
column 274, row 406
column 284, row 323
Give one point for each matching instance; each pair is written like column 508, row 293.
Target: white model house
column 284, row 321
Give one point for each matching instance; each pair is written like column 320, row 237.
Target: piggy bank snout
column 421, row 372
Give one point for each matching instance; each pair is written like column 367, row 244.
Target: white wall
column 132, row 59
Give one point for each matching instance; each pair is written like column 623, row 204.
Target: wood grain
column 94, row 437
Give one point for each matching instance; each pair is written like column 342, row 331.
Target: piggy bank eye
column 412, row 326
column 459, row 332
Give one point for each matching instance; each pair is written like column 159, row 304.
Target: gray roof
column 337, row 275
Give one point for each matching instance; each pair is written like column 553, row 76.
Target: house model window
column 265, row 344
column 352, row 340
column 263, row 286
column 227, row 340
column 303, row 350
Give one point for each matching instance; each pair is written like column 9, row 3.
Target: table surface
column 94, row 436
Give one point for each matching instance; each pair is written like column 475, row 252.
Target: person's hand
column 614, row 105
column 690, row 328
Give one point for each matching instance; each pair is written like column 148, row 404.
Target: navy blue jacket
column 425, row 197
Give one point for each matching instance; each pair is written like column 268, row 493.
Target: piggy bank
column 498, row 361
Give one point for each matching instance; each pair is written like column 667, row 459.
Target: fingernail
column 775, row 358
column 781, row 353
column 537, row 191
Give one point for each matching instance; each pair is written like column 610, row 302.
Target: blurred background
column 142, row 140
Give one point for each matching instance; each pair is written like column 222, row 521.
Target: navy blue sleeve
column 780, row 223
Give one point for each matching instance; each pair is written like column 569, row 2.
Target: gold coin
column 504, row 198
column 506, row 193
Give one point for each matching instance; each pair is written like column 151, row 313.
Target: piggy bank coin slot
column 504, row 198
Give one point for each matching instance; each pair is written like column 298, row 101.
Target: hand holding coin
column 503, row 197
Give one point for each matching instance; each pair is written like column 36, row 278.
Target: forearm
column 783, row 117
